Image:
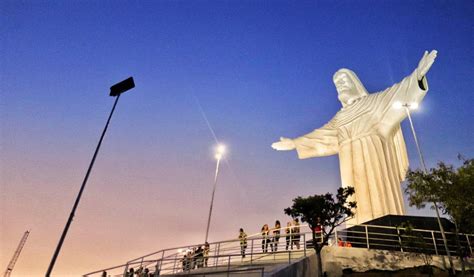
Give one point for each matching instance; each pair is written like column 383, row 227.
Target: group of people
column 271, row 236
column 140, row 272
column 342, row 243
column 196, row 258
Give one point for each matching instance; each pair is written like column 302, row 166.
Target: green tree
column 451, row 189
column 414, row 242
column 325, row 211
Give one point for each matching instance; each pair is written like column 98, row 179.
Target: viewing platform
column 382, row 248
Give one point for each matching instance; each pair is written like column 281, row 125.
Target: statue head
column 348, row 86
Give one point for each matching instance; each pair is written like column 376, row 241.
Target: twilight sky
column 249, row 71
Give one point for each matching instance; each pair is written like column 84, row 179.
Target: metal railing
column 226, row 256
column 398, row 239
column 223, row 255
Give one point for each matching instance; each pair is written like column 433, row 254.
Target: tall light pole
column 413, row 106
column 115, row 91
column 220, row 150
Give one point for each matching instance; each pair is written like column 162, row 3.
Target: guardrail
column 222, row 255
column 397, row 239
column 226, row 255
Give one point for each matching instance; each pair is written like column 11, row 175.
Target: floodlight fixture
column 122, row 87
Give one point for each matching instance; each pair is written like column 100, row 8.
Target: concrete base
column 306, row 267
column 336, row 259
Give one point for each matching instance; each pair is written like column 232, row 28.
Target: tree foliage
column 452, row 189
column 331, row 212
column 325, row 211
column 415, row 244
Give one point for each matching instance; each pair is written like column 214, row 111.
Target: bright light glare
column 220, row 149
column 413, row 106
column 397, row 105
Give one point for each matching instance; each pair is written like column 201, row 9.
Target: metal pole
column 367, row 236
column 212, row 198
column 399, row 240
column 422, row 161
column 251, row 252
column 76, row 203
column 218, row 252
column 469, row 243
column 174, row 265
column 434, row 242
column 126, row 270
column 161, row 261
column 304, row 244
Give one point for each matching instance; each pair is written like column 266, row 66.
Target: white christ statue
column 366, row 134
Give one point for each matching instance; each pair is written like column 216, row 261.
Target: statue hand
column 425, row 63
column 284, row 144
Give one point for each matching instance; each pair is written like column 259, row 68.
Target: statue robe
column 372, row 154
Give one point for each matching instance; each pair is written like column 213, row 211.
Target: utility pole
column 115, row 91
column 12, row 263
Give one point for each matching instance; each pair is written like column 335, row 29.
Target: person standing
column 340, row 242
column 184, row 262
column 276, row 236
column 193, row 258
column 318, row 230
column 296, row 233
column 199, row 257
column 243, row 241
column 288, row 236
column 265, row 238
column 189, row 260
column 206, row 253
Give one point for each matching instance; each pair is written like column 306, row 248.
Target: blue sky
column 255, row 70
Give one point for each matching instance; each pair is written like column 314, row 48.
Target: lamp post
column 219, row 153
column 413, row 106
column 115, row 91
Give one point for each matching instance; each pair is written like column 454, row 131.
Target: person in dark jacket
column 296, row 233
column 265, row 238
column 276, row 236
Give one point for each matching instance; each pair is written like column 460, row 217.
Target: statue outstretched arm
column 425, row 64
column 284, row 144
column 409, row 92
column 318, row 143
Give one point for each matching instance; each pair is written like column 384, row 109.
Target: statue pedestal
column 382, row 233
column 418, row 222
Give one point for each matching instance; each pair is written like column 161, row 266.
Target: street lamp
column 115, row 91
column 407, row 107
column 413, row 106
column 220, row 150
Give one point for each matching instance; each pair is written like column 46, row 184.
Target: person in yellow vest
column 243, row 241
